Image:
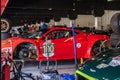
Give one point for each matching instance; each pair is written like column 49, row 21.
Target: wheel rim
column 99, row 47
column 27, row 54
column 4, row 25
column 24, row 54
column 95, row 50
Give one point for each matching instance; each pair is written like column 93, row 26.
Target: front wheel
column 27, row 54
column 23, row 54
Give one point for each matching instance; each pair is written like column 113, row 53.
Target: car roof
column 62, row 28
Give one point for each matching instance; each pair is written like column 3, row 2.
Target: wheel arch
column 96, row 38
column 91, row 45
column 23, row 45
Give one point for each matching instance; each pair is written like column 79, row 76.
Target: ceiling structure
column 31, row 11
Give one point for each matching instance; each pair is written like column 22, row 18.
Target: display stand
column 48, row 68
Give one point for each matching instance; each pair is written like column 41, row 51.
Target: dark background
column 32, row 11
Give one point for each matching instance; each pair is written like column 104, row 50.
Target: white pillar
column 98, row 22
column 56, row 23
column 70, row 23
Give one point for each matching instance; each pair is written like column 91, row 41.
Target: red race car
column 32, row 46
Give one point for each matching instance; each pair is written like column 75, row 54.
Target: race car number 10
column 48, row 50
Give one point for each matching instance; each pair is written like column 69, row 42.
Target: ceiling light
column 109, row 0
column 73, row 9
column 50, row 9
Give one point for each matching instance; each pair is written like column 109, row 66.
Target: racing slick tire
column 26, row 51
column 5, row 25
column 114, row 39
column 26, row 54
column 100, row 46
column 23, row 53
column 115, row 23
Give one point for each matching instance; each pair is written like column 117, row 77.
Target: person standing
column 42, row 25
column 25, row 28
column 31, row 28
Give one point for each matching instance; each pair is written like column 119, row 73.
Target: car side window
column 52, row 35
column 57, row 34
column 64, row 33
column 60, row 34
column 68, row 34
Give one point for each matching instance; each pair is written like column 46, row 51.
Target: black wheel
column 5, row 25
column 115, row 39
column 100, row 46
column 24, row 54
column 27, row 54
column 115, row 23
column 26, row 51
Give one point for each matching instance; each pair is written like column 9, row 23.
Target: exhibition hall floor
column 63, row 67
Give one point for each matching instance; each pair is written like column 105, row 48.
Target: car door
column 63, row 44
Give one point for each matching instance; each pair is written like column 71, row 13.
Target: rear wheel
column 100, row 46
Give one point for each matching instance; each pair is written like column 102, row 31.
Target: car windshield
column 35, row 34
column 107, row 54
column 41, row 32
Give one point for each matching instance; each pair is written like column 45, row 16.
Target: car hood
column 102, row 70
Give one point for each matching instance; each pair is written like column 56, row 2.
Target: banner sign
column 48, row 49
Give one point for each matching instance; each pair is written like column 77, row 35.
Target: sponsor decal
column 78, row 45
column 48, row 49
column 92, row 70
column 102, row 65
column 115, row 61
column 7, row 49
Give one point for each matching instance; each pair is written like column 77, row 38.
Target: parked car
column 30, row 46
column 104, row 66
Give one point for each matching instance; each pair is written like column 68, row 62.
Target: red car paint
column 3, row 5
column 63, row 47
